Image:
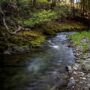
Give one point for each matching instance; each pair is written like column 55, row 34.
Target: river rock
column 86, row 56
column 7, row 52
column 79, row 48
column 18, row 49
column 85, row 40
column 88, row 85
column 71, row 82
column 81, row 74
column 69, row 69
column 88, row 59
column 88, row 75
column 76, row 67
column 84, row 78
column 86, row 65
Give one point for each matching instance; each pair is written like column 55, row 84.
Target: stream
column 43, row 69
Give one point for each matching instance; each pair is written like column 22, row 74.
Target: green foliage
column 25, row 38
column 78, row 38
column 40, row 17
column 47, row 15
column 45, row 1
column 52, row 27
column 3, row 2
column 63, row 11
column 38, row 41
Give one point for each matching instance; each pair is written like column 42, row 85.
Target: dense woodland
column 29, row 22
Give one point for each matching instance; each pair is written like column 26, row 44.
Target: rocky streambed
column 80, row 71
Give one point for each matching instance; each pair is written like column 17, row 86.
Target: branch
column 18, row 29
column 5, row 24
column 3, row 18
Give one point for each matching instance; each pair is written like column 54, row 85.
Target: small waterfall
column 53, row 45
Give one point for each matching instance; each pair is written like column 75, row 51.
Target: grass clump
column 38, row 41
column 25, row 38
column 81, row 39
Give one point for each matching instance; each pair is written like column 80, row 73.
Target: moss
column 53, row 27
column 85, row 47
column 78, row 38
column 32, row 38
column 38, row 41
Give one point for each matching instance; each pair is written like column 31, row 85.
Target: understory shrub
column 40, row 17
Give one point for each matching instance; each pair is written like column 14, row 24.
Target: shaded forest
column 45, row 44
column 29, row 22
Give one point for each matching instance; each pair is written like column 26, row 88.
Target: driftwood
column 18, row 30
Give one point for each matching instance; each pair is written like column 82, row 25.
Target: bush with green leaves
column 63, row 11
column 40, row 17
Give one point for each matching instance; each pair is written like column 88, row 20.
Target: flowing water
column 43, row 69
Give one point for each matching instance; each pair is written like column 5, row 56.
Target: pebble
column 75, row 67
column 88, row 75
column 71, row 82
column 69, row 69
column 88, row 85
column 84, row 78
column 78, row 77
column 81, row 73
column 74, row 72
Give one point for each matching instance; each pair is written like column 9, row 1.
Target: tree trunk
column 34, row 3
column 53, row 4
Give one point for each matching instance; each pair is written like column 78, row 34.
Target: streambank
column 80, row 72
column 27, row 39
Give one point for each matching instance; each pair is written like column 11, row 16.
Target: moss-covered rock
column 25, row 38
